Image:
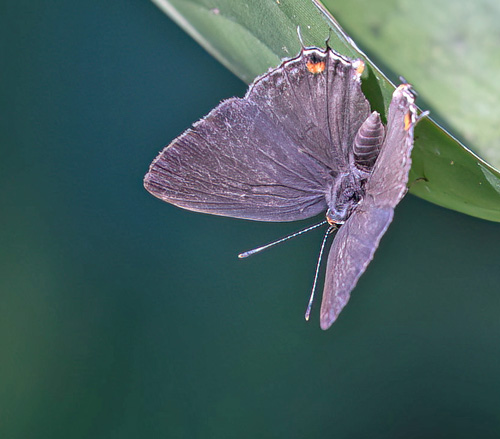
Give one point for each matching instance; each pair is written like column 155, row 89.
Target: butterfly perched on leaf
column 302, row 141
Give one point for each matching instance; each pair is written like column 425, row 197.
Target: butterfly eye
column 351, row 196
column 355, row 196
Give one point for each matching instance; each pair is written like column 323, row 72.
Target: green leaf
column 249, row 37
column 449, row 48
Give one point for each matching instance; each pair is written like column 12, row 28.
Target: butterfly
column 302, row 141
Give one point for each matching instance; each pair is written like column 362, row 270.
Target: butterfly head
column 345, row 195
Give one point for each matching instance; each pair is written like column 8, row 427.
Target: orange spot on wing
column 316, row 67
column 407, row 121
column 360, row 67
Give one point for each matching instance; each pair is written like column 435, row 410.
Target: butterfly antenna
column 327, row 41
column 309, row 305
column 299, row 34
column 279, row 241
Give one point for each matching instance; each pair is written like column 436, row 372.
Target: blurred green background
column 124, row 317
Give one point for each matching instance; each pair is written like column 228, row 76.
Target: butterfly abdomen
column 367, row 142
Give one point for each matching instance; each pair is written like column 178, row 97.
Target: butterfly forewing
column 351, row 252
column 356, row 241
column 237, row 162
column 272, row 155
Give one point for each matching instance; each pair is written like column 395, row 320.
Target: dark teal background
column 124, row 317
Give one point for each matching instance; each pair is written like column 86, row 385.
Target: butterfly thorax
column 345, row 194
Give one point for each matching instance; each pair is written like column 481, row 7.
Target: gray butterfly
column 302, row 141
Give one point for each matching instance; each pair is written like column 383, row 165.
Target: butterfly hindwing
column 317, row 96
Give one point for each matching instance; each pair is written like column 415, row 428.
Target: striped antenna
column 279, row 241
column 309, row 305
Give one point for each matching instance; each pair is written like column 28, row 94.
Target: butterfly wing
column 356, row 241
column 318, row 97
column 272, row 155
column 235, row 162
